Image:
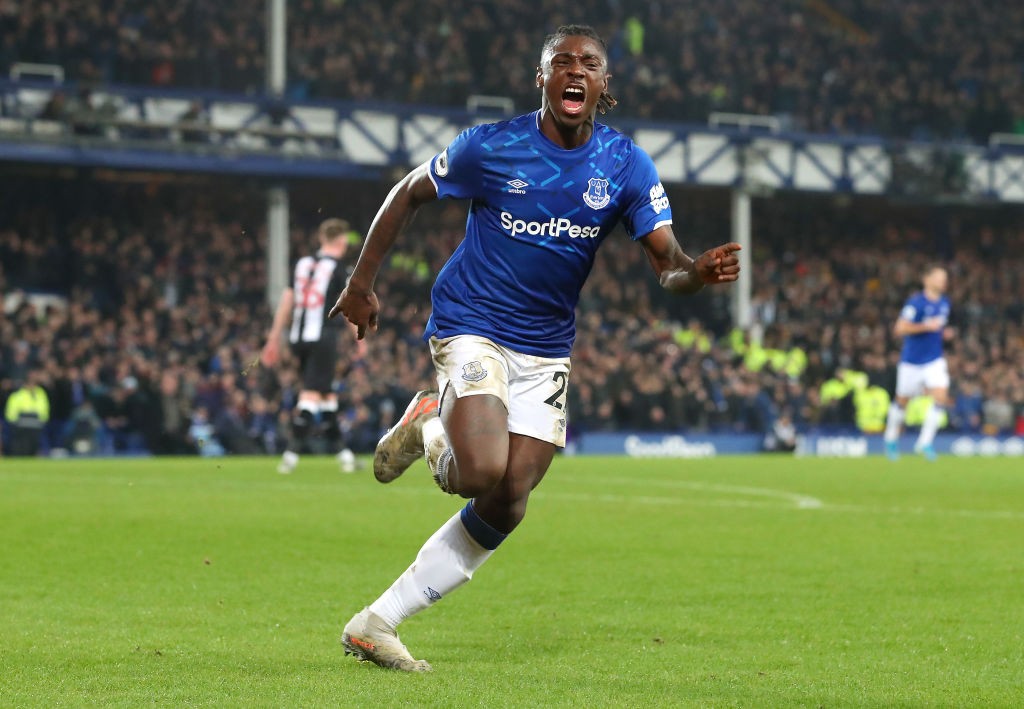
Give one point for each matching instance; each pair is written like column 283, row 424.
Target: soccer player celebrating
column 546, row 189
column 317, row 280
column 922, row 369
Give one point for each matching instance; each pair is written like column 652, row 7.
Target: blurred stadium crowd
column 157, row 347
column 916, row 68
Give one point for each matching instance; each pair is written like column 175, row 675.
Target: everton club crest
column 473, row 372
column 597, row 196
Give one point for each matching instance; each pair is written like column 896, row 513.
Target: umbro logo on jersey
column 432, row 595
column 517, row 186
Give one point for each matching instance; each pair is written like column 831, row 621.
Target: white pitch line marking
column 801, row 501
column 781, row 502
column 773, row 498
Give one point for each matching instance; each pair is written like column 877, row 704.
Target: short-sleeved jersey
column 923, row 347
column 317, row 282
column 537, row 216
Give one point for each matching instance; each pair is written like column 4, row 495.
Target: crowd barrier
column 816, row 444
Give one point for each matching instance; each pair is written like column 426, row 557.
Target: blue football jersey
column 538, row 214
column 923, row 347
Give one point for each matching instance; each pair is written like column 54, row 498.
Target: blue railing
column 205, row 131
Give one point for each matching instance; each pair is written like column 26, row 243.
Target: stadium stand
column 916, row 69
column 155, row 313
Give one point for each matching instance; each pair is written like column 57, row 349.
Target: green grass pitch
column 747, row 581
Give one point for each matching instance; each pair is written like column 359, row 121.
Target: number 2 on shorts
column 561, row 380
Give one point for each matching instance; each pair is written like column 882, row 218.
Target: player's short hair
column 931, row 267
column 571, row 31
column 333, row 229
column 606, row 101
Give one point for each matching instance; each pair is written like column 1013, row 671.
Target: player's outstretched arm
column 679, row 273
column 357, row 302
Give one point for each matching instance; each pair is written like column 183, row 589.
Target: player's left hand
column 360, row 308
column 719, row 265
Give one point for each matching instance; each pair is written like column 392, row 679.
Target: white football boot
column 346, row 461
column 403, row 443
column 371, row 639
column 288, row 462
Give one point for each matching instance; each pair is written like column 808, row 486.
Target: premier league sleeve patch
column 441, row 164
column 455, row 171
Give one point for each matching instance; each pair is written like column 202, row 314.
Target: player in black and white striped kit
column 316, row 283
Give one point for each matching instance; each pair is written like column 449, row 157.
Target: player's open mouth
column 573, row 98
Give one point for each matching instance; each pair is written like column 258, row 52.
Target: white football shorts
column 915, row 379
column 532, row 388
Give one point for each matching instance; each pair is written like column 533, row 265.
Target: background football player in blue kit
column 922, row 369
column 546, row 189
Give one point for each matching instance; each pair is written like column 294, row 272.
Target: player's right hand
column 934, row 324
column 360, row 308
column 270, row 353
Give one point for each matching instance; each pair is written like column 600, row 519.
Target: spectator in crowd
column 55, row 108
column 125, row 414
column 232, row 426
column 84, row 434
column 998, row 414
column 27, row 412
column 782, row 437
column 194, row 124
column 201, row 434
column 968, row 410
column 261, row 426
column 173, row 413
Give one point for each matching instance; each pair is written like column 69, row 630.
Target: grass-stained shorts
column 533, row 389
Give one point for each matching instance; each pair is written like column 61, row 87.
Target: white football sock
column 445, row 562
column 893, row 422
column 930, row 427
column 437, row 452
column 432, row 430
